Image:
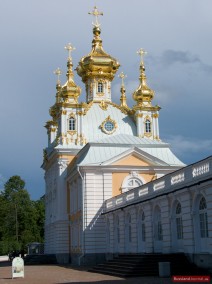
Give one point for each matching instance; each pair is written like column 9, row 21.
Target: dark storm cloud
column 33, row 35
column 170, row 57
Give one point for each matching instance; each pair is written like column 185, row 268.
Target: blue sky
column 176, row 34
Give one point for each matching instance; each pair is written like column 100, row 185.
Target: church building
column 108, row 175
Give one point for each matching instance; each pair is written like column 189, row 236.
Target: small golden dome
column 97, row 64
column 143, row 93
column 70, row 91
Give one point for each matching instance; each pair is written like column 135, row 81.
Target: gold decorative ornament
column 141, row 52
column 139, row 115
column 147, row 118
column 109, row 125
column 103, row 105
column 58, row 73
column 72, row 114
column 148, row 134
column 122, row 76
column 155, row 115
column 80, row 113
column 72, row 132
column 96, row 14
column 123, row 98
column 69, row 47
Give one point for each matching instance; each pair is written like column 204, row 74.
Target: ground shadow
column 5, row 263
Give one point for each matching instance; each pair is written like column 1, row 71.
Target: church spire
column 143, row 94
column 146, row 115
column 58, row 73
column 70, row 91
column 98, row 68
column 123, row 98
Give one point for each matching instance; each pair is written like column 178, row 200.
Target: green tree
column 22, row 219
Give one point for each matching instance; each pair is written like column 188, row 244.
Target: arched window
column 72, row 124
column 179, row 222
column 148, row 126
column 132, row 183
column 203, row 218
column 100, row 87
column 143, row 227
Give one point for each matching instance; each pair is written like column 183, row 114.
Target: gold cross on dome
column 58, row 73
column 122, row 76
column 69, row 48
column 96, row 14
column 142, row 53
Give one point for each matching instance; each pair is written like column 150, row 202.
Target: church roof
column 104, row 151
column 125, row 139
column 94, row 118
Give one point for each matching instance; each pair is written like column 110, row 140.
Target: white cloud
column 189, row 145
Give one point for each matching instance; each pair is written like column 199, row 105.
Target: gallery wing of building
column 110, row 186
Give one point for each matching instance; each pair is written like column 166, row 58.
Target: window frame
column 72, row 123
column 100, row 87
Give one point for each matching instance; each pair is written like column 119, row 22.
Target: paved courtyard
column 55, row 274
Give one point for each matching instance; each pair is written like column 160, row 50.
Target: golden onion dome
column 70, row 91
column 143, row 94
column 97, row 64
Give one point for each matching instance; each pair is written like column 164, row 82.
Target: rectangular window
column 71, row 124
column 100, row 88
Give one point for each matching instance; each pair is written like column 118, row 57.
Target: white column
column 157, row 126
column 154, row 127
column 139, row 123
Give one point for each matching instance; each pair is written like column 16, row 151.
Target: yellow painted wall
column 131, row 160
column 119, row 177
column 117, row 182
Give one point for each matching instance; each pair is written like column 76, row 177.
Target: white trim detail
column 159, row 185
column 200, row 170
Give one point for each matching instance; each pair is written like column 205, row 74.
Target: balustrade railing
column 168, row 183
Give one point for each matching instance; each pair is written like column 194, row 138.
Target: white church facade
column 169, row 215
column 110, row 186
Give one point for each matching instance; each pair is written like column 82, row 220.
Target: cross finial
column 141, row 52
column 96, row 14
column 58, row 73
column 122, row 76
column 69, row 47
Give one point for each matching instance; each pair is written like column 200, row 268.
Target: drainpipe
column 83, row 219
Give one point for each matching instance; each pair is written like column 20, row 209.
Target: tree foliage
column 21, row 219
